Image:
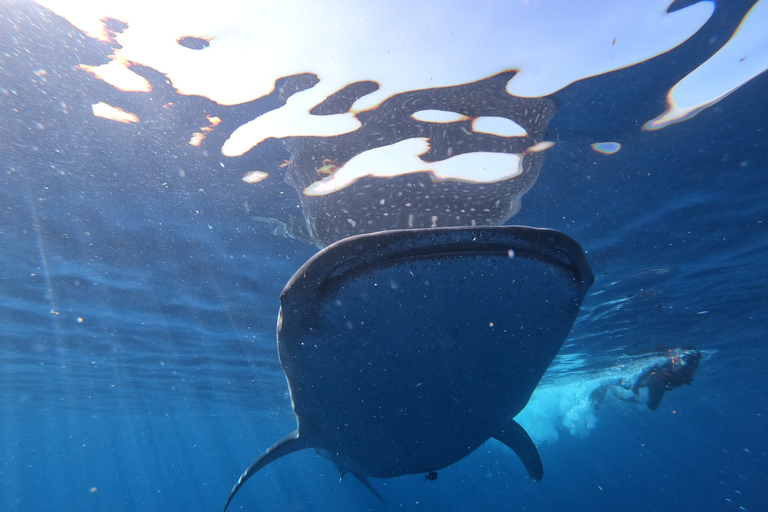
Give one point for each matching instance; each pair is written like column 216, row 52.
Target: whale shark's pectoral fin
column 366, row 483
column 515, row 436
column 289, row 444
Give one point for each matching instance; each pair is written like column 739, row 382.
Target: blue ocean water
column 139, row 296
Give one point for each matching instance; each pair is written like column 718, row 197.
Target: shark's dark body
column 406, row 350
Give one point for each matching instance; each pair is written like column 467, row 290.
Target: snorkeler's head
column 690, row 357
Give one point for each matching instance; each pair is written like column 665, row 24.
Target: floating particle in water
column 106, row 111
column 117, row 73
column 255, row 176
column 196, row 139
column 194, row 43
column 606, row 148
column 500, row 126
column 438, row 116
column 540, row 146
column 214, row 122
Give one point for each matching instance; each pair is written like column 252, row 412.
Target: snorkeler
column 676, row 369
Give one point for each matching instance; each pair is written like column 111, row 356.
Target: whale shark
column 406, row 350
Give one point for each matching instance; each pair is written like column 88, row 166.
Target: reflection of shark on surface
column 398, row 170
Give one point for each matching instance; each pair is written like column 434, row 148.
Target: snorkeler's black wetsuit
column 674, row 372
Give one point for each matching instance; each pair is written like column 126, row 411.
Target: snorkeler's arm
column 642, row 378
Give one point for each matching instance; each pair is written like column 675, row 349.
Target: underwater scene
column 354, row 256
